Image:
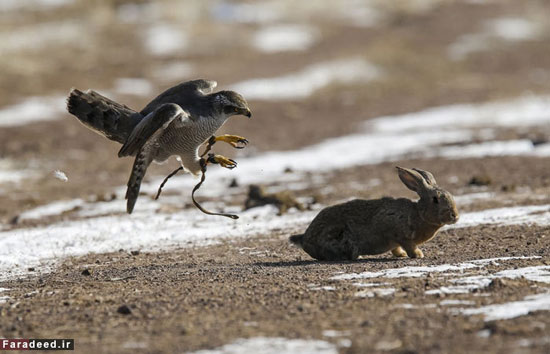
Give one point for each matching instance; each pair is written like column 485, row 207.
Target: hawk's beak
column 247, row 113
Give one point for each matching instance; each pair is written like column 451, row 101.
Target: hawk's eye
column 435, row 200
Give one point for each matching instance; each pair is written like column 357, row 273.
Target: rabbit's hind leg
column 399, row 252
column 337, row 245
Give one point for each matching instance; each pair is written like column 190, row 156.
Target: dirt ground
column 203, row 297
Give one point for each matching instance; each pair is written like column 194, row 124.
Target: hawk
column 177, row 122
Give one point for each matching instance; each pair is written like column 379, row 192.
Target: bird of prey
column 177, row 122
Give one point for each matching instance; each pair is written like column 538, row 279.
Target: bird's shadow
column 281, row 264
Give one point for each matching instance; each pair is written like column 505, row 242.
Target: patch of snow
column 526, row 214
column 468, row 43
column 304, row 83
column 375, row 292
column 44, row 35
column 470, row 198
column 16, row 176
column 274, row 345
column 38, row 247
column 521, row 112
column 255, row 12
column 52, row 209
column 280, row 38
column 165, row 40
column 411, row 306
column 11, row 173
column 60, row 175
column 174, row 71
column 420, row 271
column 133, row 86
column 536, row 273
column 10, row 5
column 32, row 109
column 325, row 288
column 533, row 342
column 531, row 303
column 360, row 13
column 331, row 333
column 369, row 285
column 513, row 28
column 489, row 148
column 4, row 299
column 468, row 284
column 451, row 302
column 504, row 29
column 484, row 333
column 139, row 12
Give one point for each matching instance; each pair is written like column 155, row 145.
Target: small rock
column 14, row 220
column 257, row 196
column 480, row 180
column 134, row 253
column 124, row 310
column 234, row 183
column 366, row 323
column 388, row 345
column 497, row 284
column 86, row 272
column 288, row 170
column 539, row 140
column 30, row 269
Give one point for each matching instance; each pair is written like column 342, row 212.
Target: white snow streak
column 304, row 83
column 508, row 310
column 280, row 38
column 274, row 345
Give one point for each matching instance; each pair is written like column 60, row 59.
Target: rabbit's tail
column 297, row 239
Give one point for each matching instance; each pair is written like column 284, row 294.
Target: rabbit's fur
column 365, row 227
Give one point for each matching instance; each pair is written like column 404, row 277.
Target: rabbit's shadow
column 281, row 264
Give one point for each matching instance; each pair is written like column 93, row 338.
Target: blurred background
column 310, row 71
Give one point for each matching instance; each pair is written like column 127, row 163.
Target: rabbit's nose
column 454, row 216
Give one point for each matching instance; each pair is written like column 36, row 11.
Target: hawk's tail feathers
column 106, row 117
column 297, row 239
column 139, row 168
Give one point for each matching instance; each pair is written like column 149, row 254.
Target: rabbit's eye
column 435, row 200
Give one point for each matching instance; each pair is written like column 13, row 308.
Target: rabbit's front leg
column 412, row 250
column 399, row 252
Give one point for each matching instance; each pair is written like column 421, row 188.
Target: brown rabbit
column 361, row 227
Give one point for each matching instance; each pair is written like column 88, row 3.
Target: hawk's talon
column 222, row 161
column 233, row 140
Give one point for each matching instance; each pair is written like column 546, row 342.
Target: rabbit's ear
column 427, row 176
column 412, row 179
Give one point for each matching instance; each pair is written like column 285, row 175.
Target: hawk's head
column 230, row 103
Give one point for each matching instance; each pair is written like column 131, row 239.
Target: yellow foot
column 417, row 253
column 222, row 161
column 236, row 141
column 399, row 252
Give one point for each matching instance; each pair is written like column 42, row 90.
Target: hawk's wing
column 183, row 94
column 144, row 141
column 154, row 122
